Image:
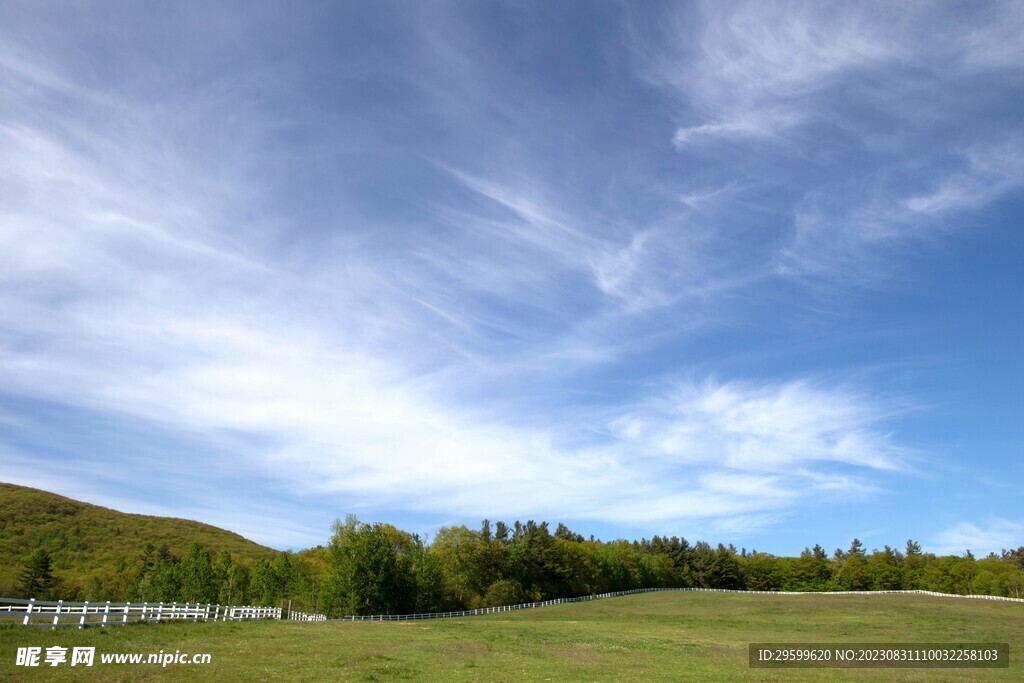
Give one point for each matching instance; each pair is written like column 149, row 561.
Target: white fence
column 61, row 613
column 584, row 598
column 302, row 616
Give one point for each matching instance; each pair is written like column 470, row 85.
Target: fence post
column 28, row 612
column 106, row 611
column 85, row 612
column 56, row 615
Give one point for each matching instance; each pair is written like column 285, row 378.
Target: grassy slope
column 84, row 538
column 653, row 637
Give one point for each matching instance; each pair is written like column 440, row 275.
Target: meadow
column 650, row 637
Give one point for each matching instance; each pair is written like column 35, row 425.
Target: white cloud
column 154, row 318
column 756, row 49
column 616, row 271
column 754, row 61
column 336, row 419
column 374, row 364
column 770, row 428
column 852, row 241
column 999, row 534
column 699, row 200
column 992, row 169
column 849, row 118
column 757, row 124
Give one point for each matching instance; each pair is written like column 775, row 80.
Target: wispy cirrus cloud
column 405, row 265
column 838, row 110
column 753, row 63
column 187, row 347
column 632, row 268
column 989, row 171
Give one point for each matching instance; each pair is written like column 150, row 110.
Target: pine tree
column 36, row 579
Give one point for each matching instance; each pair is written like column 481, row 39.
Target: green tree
column 884, row 568
column 428, row 576
column 1015, row 584
column 282, row 575
column 505, row 592
column 726, row 569
column 547, row 567
column 656, row 571
column 963, row 574
column 372, row 569
column 716, row 568
column 262, row 584
column 235, row 589
column 762, row 572
column 613, row 564
column 852, row 571
column 461, row 553
column 702, row 561
column 914, row 562
column 36, row 578
column 811, row 571
column 163, row 583
column 195, row 575
column 578, row 567
column 309, row 573
column 221, row 570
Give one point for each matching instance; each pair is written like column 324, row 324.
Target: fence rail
column 584, row 598
column 303, row 616
column 81, row 614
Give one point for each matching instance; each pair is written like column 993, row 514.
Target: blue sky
column 742, row 272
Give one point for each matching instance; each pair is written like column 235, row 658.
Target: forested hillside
column 90, row 545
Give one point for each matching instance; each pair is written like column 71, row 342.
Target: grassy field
column 651, row 637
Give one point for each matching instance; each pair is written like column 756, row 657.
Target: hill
column 89, row 542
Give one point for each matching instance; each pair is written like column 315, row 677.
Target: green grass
column 651, row 637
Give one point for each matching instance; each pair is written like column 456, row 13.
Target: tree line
column 380, row 569
column 157, row 575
